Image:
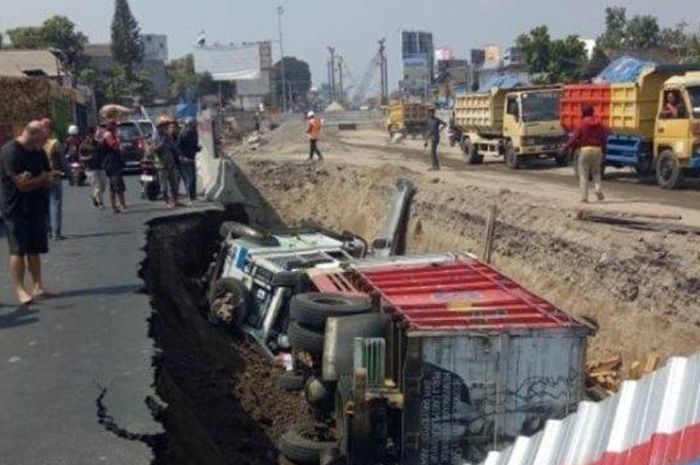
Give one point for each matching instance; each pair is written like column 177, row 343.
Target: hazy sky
column 352, row 26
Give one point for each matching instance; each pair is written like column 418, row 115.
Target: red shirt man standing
column 590, row 138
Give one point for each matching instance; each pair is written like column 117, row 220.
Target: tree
column 297, row 78
column 127, row 44
column 552, row 60
column 57, row 32
column 642, row 32
column 598, row 62
column 185, row 82
column 536, row 48
column 615, row 26
column 111, row 86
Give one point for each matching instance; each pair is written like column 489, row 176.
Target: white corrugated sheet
column 654, row 421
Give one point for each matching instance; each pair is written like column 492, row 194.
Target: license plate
column 146, row 178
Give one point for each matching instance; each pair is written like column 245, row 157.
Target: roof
column 450, row 293
column 29, row 63
column 652, row 421
column 502, row 82
column 688, row 79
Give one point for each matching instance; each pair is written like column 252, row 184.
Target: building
column 32, row 63
column 249, row 65
column 492, row 56
column 154, row 61
column 418, row 63
column 478, row 56
column 513, row 56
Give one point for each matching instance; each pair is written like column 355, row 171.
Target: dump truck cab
column 677, row 130
column 518, row 125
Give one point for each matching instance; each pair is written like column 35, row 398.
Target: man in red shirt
column 590, row 139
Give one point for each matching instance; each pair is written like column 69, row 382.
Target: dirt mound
column 640, row 287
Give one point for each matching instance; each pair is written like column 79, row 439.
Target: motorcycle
column 76, row 172
column 150, row 185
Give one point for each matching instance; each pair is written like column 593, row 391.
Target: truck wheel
column 511, row 158
column 303, row 448
column 669, row 174
column 645, row 165
column 313, row 308
column 304, row 338
column 561, row 159
column 471, row 151
column 229, row 302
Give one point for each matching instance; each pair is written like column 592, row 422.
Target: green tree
column 642, row 32
column 615, row 27
column 185, row 82
column 567, row 59
column 598, row 62
column 26, row 37
column 297, row 78
column 111, row 86
column 127, row 44
column 536, row 48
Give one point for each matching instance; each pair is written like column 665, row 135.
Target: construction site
column 490, row 261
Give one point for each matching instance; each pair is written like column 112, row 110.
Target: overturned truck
column 450, row 359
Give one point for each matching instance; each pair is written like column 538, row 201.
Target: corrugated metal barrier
column 654, row 421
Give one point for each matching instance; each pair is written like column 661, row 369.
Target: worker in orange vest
column 314, row 131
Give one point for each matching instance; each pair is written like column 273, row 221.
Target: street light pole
column 280, row 12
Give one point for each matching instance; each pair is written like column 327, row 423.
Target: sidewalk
column 58, row 356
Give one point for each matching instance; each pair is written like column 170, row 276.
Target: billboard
column 229, row 62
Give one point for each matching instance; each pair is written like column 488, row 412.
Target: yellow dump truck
column 517, row 124
column 406, row 117
column 655, row 124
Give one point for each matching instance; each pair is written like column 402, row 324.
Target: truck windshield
column 694, row 94
column 540, row 106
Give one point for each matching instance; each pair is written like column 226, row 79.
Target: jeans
column 433, row 153
column 189, row 178
column 56, row 207
column 313, row 149
column 169, row 183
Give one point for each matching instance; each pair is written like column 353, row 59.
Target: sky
column 351, row 26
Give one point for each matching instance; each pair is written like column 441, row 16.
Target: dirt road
column 641, row 287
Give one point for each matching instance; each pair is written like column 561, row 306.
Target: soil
column 224, row 406
column 641, row 287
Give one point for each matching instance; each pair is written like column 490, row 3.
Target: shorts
column 116, row 184
column 27, row 235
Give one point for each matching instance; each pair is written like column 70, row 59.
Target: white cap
column 73, row 130
column 310, row 114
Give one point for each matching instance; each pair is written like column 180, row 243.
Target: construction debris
column 606, row 374
column 624, row 220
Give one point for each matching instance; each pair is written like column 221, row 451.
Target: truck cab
column 677, row 130
column 531, row 126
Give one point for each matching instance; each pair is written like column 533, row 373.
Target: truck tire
column 313, row 308
column 301, row 449
column 291, row 381
column 304, row 338
column 229, row 302
column 471, row 152
column 669, row 174
column 562, row 159
column 511, row 158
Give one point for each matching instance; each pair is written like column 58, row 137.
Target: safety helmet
column 310, row 114
column 73, row 130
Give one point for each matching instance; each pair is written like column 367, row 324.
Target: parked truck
column 517, row 124
column 451, row 360
column 643, row 135
column 406, row 117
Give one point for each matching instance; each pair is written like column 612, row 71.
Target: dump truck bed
column 482, row 112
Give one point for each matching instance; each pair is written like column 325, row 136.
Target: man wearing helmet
column 313, row 130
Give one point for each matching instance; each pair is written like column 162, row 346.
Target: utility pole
column 383, row 73
column 341, row 92
column 332, row 71
column 280, row 12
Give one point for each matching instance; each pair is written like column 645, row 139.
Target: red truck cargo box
column 457, row 294
column 574, row 97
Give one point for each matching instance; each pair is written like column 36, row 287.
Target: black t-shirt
column 15, row 160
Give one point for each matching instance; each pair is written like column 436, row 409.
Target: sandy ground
column 641, row 287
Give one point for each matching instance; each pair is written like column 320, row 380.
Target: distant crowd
column 33, row 167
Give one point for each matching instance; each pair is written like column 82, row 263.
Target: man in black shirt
column 25, row 177
column 435, row 125
column 189, row 146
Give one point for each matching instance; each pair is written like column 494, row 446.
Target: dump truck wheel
column 669, row 174
column 304, row 338
column 229, row 302
column 291, row 382
column 302, row 449
column 314, row 308
column 471, row 151
column 511, row 158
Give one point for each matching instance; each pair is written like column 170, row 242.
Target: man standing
column 189, row 146
column 434, row 126
column 25, row 178
column 113, row 165
column 590, row 138
column 168, row 154
column 52, row 147
column 313, row 129
column 90, row 157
